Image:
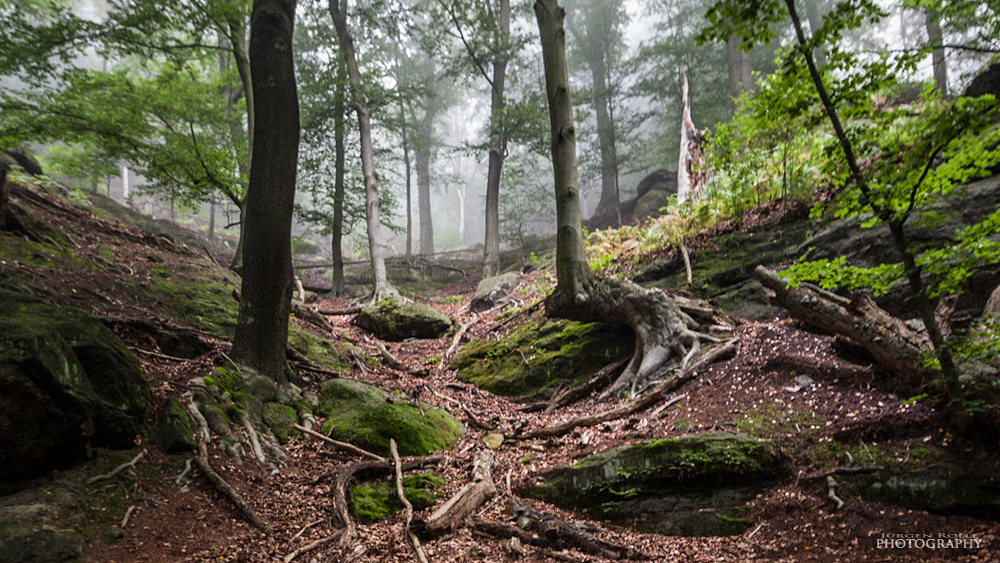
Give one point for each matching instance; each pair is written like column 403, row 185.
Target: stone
column 368, row 417
column 371, row 502
column 941, row 489
column 394, row 322
column 538, row 356
column 66, row 382
column 695, row 485
column 493, row 291
column 280, row 418
column 173, row 428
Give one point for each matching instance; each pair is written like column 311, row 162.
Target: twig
column 754, row 532
column 128, row 514
column 210, row 255
column 116, row 470
column 599, row 380
column 845, row 471
column 304, row 528
column 421, row 556
column 673, row 401
column 342, row 445
column 395, row 363
column 456, row 341
column 313, row 545
column 159, row 355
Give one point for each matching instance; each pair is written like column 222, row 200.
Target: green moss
column 192, row 297
column 776, row 418
column 373, row 502
column 280, row 418
column 393, row 321
column 362, row 415
column 323, row 351
column 536, row 356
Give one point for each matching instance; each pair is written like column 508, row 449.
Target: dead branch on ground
column 597, row 382
column 456, row 341
column 341, row 445
column 414, row 541
column 396, row 364
column 452, row 514
column 117, row 470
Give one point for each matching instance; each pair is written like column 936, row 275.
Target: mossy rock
column 323, row 351
column 697, row 484
column 173, row 428
column 490, row 292
column 939, row 488
column 34, row 545
column 371, row 502
column 368, row 417
column 394, row 322
column 535, row 357
column 280, row 418
column 66, row 381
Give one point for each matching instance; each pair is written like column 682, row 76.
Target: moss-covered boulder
column 173, row 428
column 536, row 357
column 940, row 488
column 368, row 417
column 371, row 502
column 394, row 322
column 491, row 292
column 66, row 381
column 693, row 485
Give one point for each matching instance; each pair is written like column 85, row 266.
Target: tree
column 597, row 29
column 936, row 41
column 262, row 328
column 662, row 330
column 912, row 159
column 381, row 288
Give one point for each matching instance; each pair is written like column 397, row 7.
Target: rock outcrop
column 394, row 322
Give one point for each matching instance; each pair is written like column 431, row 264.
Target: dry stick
column 473, row 419
column 342, row 445
column 406, row 503
column 831, row 491
column 116, row 470
column 227, row 490
column 687, row 263
column 304, row 528
column 456, row 341
column 159, row 355
column 339, row 312
column 210, row 255
column 395, row 363
column 642, row 403
column 673, row 401
column 311, row 546
column 128, row 514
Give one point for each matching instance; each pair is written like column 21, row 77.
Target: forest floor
column 794, row 522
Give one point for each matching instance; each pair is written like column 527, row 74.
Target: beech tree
column 262, row 327
column 664, row 334
column 381, row 287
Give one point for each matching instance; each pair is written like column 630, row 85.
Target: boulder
column 66, row 382
column 695, row 485
column 534, row 358
column 986, row 82
column 394, row 322
column 493, row 291
column 652, row 193
column 941, row 489
column 368, row 417
column 371, row 502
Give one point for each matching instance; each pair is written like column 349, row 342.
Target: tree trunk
column 405, row 138
column 815, row 18
column 125, row 183
column 425, row 142
column 211, row 220
column 262, row 328
column 381, row 289
column 936, row 40
column 689, row 177
column 606, row 136
column 461, row 214
column 660, row 327
column 740, row 71
column 242, row 139
column 4, row 194
column 339, row 128
column 498, row 147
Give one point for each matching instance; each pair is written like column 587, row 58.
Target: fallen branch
column 456, row 341
column 598, row 381
column 657, row 393
column 844, row 471
column 395, row 363
column 313, row 545
column 341, row 445
column 831, row 491
column 159, row 355
column 340, row 312
column 414, row 541
column 201, row 459
column 462, row 504
column 128, row 515
column 673, row 401
column 310, row 315
column 116, row 470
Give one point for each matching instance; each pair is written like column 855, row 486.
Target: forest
column 505, row 281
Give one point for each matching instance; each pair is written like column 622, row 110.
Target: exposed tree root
column 452, row 514
column 414, row 541
column 201, row 459
column 599, row 381
column 310, row 315
column 658, row 392
column 117, row 470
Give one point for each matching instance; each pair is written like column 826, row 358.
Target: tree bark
column 689, row 178
column 262, row 327
column 4, row 194
column 606, row 136
column 339, row 128
column 425, row 139
column 242, row 139
column 381, row 288
column 405, row 138
column 660, row 327
column 740, row 70
column 498, row 146
column 936, row 40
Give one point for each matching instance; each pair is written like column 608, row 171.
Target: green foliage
column 373, row 502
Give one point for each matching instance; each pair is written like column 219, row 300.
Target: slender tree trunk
column 405, row 138
column 498, row 147
column 4, row 194
column 381, row 289
column 425, row 141
column 262, row 328
column 211, row 220
column 605, row 136
column 740, row 69
column 936, row 40
column 815, row 18
column 125, row 183
column 661, row 329
column 242, row 139
column 339, row 129
column 903, row 246
column 461, row 214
